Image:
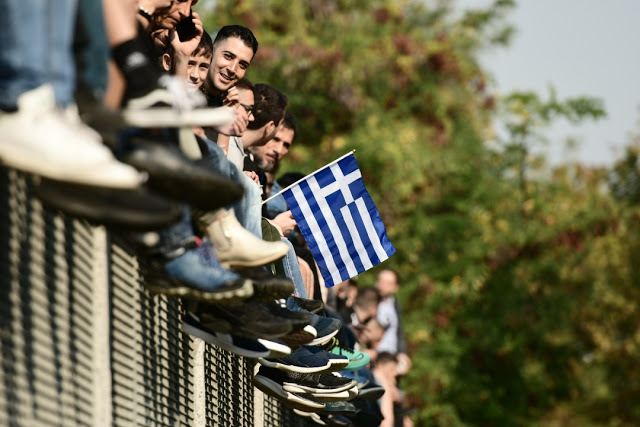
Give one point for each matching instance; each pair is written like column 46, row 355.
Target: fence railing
column 82, row 343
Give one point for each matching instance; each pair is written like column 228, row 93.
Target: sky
column 582, row 48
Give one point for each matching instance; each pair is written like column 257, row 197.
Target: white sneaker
column 236, row 247
column 45, row 141
column 174, row 104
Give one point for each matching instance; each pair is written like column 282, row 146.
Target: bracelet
column 145, row 13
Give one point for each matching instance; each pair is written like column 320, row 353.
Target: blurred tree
column 519, row 288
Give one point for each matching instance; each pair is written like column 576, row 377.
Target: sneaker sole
column 127, row 209
column 178, row 290
column 170, row 117
column 24, row 161
column 275, row 349
column 213, row 339
column 372, row 394
column 311, row 415
column 299, row 388
column 273, row 389
column 340, row 396
column 231, row 264
column 293, row 368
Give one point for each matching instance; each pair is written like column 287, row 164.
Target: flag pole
column 313, row 173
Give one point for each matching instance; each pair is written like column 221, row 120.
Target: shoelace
column 335, row 343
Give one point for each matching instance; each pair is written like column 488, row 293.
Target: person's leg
column 292, row 270
column 37, row 79
column 248, row 209
column 29, row 37
column 91, row 48
column 61, row 18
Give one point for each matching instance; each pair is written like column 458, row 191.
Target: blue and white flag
column 339, row 221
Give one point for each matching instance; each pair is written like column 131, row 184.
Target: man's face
column 387, row 283
column 179, row 10
column 197, row 69
column 268, row 155
column 231, row 58
column 244, row 105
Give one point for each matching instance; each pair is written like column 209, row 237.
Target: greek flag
column 339, row 221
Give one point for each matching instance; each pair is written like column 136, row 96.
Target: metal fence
column 82, row 343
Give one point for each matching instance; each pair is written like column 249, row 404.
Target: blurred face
column 387, row 283
column 372, row 333
column 197, row 70
column 164, row 22
column 231, row 59
column 268, row 155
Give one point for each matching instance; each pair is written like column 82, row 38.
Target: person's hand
column 184, row 49
column 254, row 176
column 404, row 363
column 235, row 128
column 285, row 221
column 276, row 226
column 231, row 97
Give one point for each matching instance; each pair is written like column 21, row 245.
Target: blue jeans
column 277, row 205
column 36, row 38
column 176, row 235
column 292, row 270
column 96, row 52
column 247, row 209
column 200, row 267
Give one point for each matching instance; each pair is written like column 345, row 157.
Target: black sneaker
column 249, row 320
column 138, row 209
column 311, row 305
column 300, row 360
column 316, row 383
column 339, row 408
column 237, row 345
column 172, row 173
column 301, row 337
column 337, row 361
column 268, row 286
column 270, row 382
column 371, row 393
column 276, row 347
column 326, row 327
column 299, row 319
column 328, row 397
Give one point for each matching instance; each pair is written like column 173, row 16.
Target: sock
column 136, row 63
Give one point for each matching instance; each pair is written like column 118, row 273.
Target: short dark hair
column 270, row 105
column 367, row 297
column 205, row 47
column 243, row 33
column 245, row 83
column 386, row 357
column 289, row 122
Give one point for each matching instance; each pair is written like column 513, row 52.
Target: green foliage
column 520, row 292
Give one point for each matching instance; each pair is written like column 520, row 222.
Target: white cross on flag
column 339, row 221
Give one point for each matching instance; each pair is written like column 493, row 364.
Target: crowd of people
column 128, row 113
